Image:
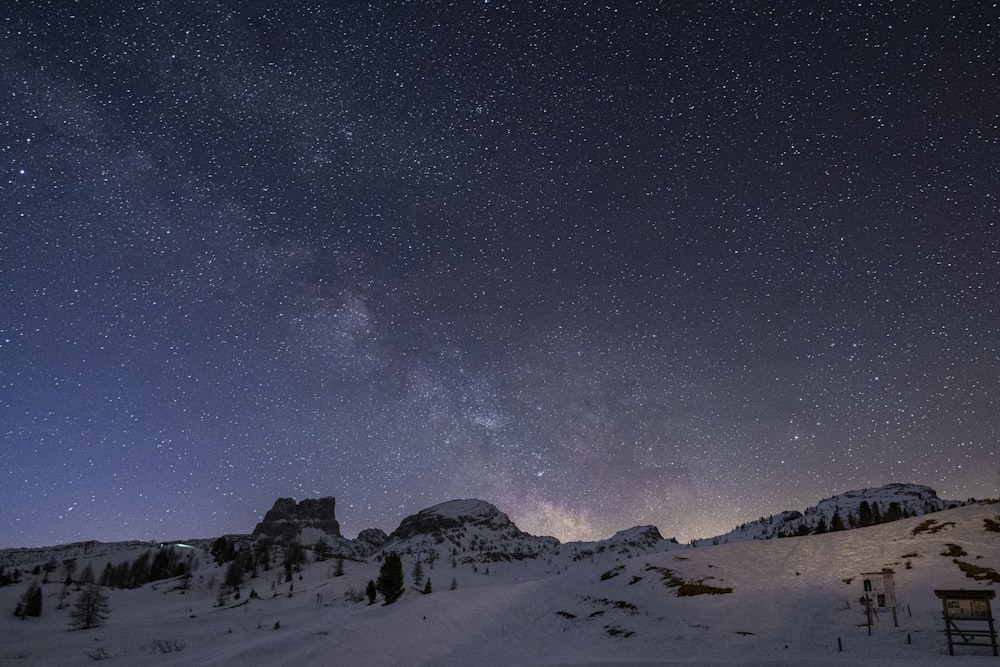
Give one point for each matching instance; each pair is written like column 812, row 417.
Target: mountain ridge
column 458, row 521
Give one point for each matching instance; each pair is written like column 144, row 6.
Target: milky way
column 607, row 264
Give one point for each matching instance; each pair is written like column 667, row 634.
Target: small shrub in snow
column 163, row 646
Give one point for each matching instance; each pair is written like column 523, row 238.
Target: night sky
column 600, row 264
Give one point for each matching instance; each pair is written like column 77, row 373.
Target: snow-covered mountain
column 470, row 531
column 854, row 509
column 777, row 602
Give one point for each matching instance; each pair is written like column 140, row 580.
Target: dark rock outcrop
column 374, row 537
column 286, row 519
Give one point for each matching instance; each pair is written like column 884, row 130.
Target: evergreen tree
column 262, row 550
column 295, row 555
column 836, row 523
column 864, row 514
column 418, row 573
column 820, row 526
column 893, row 513
column 876, row 513
column 107, row 575
column 234, row 573
column 322, row 549
column 222, row 551
column 427, row 586
column 222, row 597
column 339, row 570
column 90, row 609
column 63, row 594
column 371, row 592
column 390, row 578
column 454, row 584
column 30, row 603
column 138, row 571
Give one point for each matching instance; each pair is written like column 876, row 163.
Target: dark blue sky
column 602, row 265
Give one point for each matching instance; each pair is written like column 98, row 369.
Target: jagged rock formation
column 287, row 519
column 373, row 537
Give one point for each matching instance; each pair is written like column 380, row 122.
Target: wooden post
column 840, row 646
column 947, row 627
column 895, row 621
column 868, row 610
column 993, row 630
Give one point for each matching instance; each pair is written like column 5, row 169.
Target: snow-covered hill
column 774, row 602
column 853, row 509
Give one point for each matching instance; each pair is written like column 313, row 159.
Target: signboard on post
column 965, row 607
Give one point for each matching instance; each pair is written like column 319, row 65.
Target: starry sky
column 599, row 263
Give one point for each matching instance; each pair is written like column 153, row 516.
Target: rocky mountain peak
column 455, row 514
column 287, row 518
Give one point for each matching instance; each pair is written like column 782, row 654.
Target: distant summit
column 456, row 514
column 854, row 509
column 475, row 529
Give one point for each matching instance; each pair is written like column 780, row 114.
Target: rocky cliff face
column 287, row 518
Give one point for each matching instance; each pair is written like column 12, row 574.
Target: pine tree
column 371, row 592
column 222, row 551
column 418, row 573
column 35, row 601
column 454, row 584
column 322, row 549
column 820, row 526
column 390, row 578
column 107, row 575
column 30, row 602
column 339, row 570
column 427, row 586
column 836, row 523
column 222, row 597
column 234, row 573
column 262, row 550
column 864, row 514
column 90, row 609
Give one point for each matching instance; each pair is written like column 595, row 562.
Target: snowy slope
column 790, row 601
column 891, row 500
